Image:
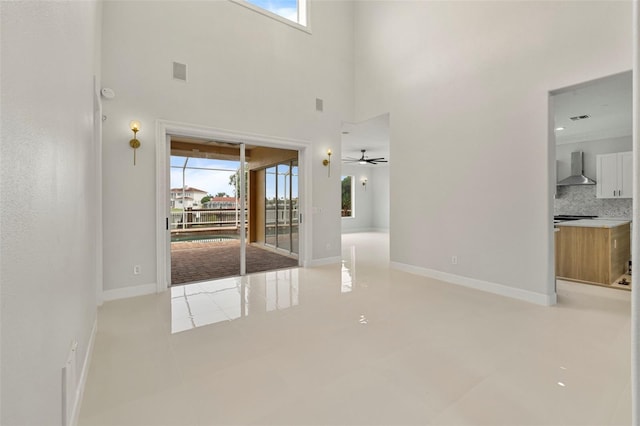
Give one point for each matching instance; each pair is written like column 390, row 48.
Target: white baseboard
column 323, row 261
column 500, row 289
column 83, row 374
column 357, row 230
column 361, row 230
column 126, row 292
column 383, row 230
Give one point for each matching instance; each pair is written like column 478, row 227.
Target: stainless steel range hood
column 577, row 172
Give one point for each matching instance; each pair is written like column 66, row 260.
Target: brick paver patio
column 200, row 261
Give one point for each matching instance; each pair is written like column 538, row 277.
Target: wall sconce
column 364, row 183
column 327, row 161
column 134, row 143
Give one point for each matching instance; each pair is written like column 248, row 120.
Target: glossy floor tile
column 359, row 343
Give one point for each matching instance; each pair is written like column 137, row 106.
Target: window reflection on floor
column 348, row 271
column 210, row 302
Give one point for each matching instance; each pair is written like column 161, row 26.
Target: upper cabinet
column 614, row 175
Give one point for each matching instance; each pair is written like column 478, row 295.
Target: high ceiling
column 607, row 102
column 372, row 135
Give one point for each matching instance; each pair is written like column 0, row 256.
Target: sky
column 212, row 181
column 285, row 8
column 215, row 181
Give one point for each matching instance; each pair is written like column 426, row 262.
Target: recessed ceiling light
column 559, row 128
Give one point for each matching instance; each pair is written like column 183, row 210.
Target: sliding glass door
column 295, row 228
column 281, row 205
column 270, row 206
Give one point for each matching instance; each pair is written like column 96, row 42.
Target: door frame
column 275, row 247
column 552, row 286
column 166, row 129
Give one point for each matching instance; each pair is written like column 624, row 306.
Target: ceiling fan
column 364, row 159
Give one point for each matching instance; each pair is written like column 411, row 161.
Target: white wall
column 48, row 245
column 379, row 187
column 467, row 86
column 247, row 73
column 372, row 202
column 362, row 201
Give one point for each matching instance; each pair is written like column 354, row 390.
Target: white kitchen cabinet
column 614, row 175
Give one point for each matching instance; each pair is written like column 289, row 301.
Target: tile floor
column 359, row 343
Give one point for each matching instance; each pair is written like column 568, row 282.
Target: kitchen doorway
column 591, row 169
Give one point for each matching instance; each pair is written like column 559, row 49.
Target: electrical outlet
column 454, row 260
column 136, row 270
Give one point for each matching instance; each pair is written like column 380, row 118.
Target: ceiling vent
column 579, row 117
column 319, row 105
column 179, row 71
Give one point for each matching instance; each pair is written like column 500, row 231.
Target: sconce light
column 134, row 143
column 327, row 161
column 364, row 183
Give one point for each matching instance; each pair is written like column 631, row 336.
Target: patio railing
column 205, row 218
column 217, row 218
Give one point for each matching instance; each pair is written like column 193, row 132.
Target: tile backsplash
column 581, row 200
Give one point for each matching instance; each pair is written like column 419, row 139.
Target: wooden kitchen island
column 593, row 251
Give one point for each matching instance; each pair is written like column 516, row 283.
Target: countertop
column 594, row 223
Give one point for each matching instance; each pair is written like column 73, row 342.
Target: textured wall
column 49, row 201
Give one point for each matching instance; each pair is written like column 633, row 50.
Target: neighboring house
column 220, row 203
column 188, row 197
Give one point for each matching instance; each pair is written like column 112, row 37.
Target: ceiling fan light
column 362, row 162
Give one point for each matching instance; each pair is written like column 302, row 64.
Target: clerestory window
column 291, row 12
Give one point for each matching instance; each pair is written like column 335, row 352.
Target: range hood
column 577, row 172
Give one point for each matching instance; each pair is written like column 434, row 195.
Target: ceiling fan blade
column 376, row 159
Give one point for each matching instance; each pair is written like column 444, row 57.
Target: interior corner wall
column 379, row 187
column 47, row 201
column 362, row 202
column 470, row 123
column 371, row 202
column 246, row 73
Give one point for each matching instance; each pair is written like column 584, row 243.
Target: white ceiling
column 372, row 135
column 608, row 102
